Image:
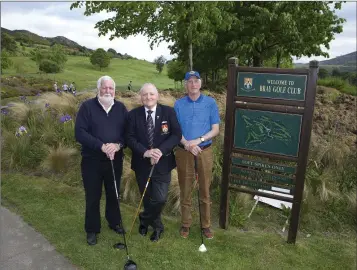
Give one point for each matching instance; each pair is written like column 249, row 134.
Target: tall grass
column 340, row 84
column 49, row 148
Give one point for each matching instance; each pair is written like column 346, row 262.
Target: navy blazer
column 167, row 135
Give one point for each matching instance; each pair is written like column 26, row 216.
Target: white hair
column 147, row 85
column 104, row 78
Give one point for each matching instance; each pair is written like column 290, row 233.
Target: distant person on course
column 129, row 85
column 55, row 87
column 72, row 87
column 199, row 120
column 100, row 129
column 65, row 87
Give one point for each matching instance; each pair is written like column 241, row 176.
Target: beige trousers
column 186, row 178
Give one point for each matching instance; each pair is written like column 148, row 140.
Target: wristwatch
column 202, row 139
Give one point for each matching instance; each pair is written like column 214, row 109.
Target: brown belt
column 202, row 147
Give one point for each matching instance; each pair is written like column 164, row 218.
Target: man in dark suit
column 152, row 133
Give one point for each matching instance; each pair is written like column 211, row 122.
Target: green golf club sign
column 270, row 132
column 267, row 134
column 275, row 86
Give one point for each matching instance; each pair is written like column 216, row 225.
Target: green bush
column 49, row 66
column 339, row 84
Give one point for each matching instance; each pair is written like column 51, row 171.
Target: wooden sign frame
column 305, row 108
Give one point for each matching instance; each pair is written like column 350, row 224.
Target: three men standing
column 100, row 129
column 152, row 133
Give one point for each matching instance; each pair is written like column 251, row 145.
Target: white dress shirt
column 153, row 114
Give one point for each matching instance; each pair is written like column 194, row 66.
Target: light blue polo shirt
column 196, row 117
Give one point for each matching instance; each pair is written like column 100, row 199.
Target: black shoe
column 117, row 229
column 156, row 235
column 91, row 239
column 143, row 230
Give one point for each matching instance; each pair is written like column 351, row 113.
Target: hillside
column 344, row 60
column 85, row 75
column 32, row 38
column 345, row 63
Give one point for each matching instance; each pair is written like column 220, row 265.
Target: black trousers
column 94, row 173
column 154, row 199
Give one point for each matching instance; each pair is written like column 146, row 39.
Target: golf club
column 142, row 197
column 129, row 265
column 202, row 247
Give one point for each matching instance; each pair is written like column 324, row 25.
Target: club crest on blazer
column 164, row 127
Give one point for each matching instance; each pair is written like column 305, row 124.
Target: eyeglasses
column 193, row 81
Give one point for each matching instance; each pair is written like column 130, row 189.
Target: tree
column 110, row 50
column 193, row 22
column 160, row 63
column 100, row 58
column 282, row 28
column 49, row 66
column 5, row 60
column 336, row 72
column 176, row 70
column 8, row 43
column 56, row 54
column 323, row 73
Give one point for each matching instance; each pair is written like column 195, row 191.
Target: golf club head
column 202, row 248
column 119, row 246
column 130, row 265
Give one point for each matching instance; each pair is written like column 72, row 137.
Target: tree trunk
column 249, row 62
column 278, row 58
column 190, row 56
column 257, row 61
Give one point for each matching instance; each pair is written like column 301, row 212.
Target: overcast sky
column 52, row 19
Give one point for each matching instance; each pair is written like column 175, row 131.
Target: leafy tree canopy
column 160, row 63
column 8, row 43
column 100, row 58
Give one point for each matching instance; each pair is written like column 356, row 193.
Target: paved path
column 21, row 247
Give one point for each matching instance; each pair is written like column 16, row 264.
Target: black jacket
column 167, row 135
column 94, row 127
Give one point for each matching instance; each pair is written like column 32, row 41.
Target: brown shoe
column 184, row 231
column 207, row 233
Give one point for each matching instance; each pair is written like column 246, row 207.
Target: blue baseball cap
column 192, row 73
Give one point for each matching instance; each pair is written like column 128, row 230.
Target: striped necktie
column 150, row 126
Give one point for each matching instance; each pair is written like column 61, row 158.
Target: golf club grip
column 152, row 170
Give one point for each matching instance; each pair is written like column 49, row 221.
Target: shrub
column 49, row 66
column 58, row 158
column 339, row 84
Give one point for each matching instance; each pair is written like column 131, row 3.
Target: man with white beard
column 99, row 129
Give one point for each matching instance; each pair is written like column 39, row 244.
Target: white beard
column 106, row 99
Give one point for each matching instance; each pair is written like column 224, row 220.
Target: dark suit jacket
column 167, row 135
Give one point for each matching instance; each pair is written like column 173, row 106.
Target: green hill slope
column 80, row 70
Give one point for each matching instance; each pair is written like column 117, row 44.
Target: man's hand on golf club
column 192, row 146
column 154, row 155
column 110, row 149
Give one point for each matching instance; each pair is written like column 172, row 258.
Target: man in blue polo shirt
column 199, row 120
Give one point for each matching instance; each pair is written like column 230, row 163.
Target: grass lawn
column 85, row 75
column 57, row 211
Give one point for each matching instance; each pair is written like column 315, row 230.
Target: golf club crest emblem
column 248, row 85
column 164, row 127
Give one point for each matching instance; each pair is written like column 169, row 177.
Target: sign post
column 267, row 134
